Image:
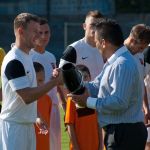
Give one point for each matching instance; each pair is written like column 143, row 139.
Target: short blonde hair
column 23, row 19
column 94, row 14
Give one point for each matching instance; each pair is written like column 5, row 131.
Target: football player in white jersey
column 147, row 84
column 84, row 51
column 48, row 60
column 137, row 41
column 19, row 88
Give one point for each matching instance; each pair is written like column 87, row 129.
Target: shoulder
column 34, row 54
column 126, row 61
column 77, row 43
column 70, row 54
column 49, row 54
column 14, row 69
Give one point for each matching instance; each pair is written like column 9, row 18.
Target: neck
column 110, row 51
column 40, row 49
column 127, row 44
column 90, row 41
column 22, row 47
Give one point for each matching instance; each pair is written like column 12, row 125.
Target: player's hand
column 57, row 75
column 42, row 126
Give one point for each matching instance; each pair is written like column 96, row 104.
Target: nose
column 42, row 36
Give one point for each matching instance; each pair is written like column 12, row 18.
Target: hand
column 79, row 99
column 56, row 72
column 147, row 116
column 57, row 75
column 42, row 126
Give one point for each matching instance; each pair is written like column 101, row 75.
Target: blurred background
column 66, row 17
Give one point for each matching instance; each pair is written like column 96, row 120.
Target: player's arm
column 41, row 124
column 146, row 106
column 35, row 93
column 19, row 82
column 62, row 97
column 30, row 95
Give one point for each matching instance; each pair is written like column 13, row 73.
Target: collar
column 119, row 52
column 19, row 50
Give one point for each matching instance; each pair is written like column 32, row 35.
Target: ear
column 84, row 26
column 20, row 30
column 133, row 41
column 93, row 33
column 103, row 43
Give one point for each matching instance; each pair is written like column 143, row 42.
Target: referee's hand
column 81, row 100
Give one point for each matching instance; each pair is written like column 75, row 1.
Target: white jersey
column 139, row 58
column 80, row 52
column 147, row 81
column 48, row 61
column 17, row 73
column 147, row 72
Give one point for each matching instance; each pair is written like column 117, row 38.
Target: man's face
column 31, row 34
column 89, row 31
column 44, row 36
column 137, row 46
column 98, row 43
column 101, row 45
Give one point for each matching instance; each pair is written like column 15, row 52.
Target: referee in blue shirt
column 116, row 92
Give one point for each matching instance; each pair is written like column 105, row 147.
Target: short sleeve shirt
column 17, row 73
column 81, row 52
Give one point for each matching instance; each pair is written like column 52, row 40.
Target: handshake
column 70, row 77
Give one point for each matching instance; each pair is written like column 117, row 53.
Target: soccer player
column 19, row 87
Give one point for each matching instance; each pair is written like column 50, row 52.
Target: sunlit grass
column 65, row 137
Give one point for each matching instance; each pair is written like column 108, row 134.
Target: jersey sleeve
column 69, row 56
column 70, row 112
column 15, row 73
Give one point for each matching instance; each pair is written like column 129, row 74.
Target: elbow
column 26, row 99
column 27, row 102
column 26, row 96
